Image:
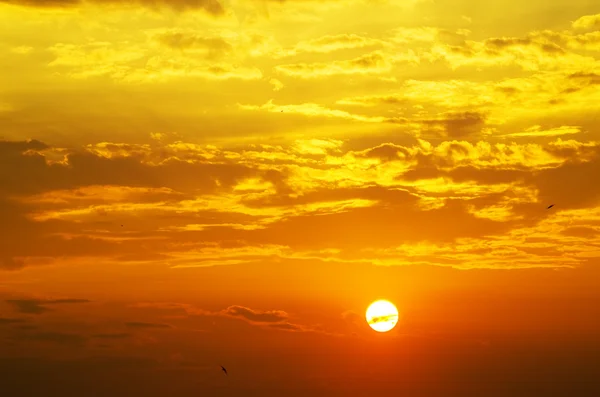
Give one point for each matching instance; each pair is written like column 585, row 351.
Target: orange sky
column 193, row 183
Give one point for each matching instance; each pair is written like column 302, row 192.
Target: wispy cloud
column 35, row 306
column 137, row 324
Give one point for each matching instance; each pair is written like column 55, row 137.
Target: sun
column 382, row 316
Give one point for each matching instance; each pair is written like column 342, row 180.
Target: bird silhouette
column 550, row 206
column 224, row 370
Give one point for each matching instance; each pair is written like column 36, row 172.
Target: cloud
column 211, row 47
column 288, row 327
column 114, row 165
column 35, row 306
column 537, row 131
column 29, row 307
column 127, row 63
column 315, row 110
column 10, row 321
column 507, row 103
column 351, row 316
column 256, row 316
column 569, row 40
column 135, row 324
column 213, row 7
column 112, row 336
column 203, row 205
column 581, row 231
column 389, row 317
column 330, row 43
column 5, row 107
column 374, row 100
column 269, row 319
column 587, row 22
column 451, row 94
column 586, row 78
column 454, row 125
column 60, row 338
column 11, row 263
column 23, row 50
column 374, row 63
column 277, row 85
column 537, row 51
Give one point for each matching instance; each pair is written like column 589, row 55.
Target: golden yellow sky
column 186, row 184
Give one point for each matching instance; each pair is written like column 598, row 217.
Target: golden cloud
column 537, row 130
column 331, row 43
column 374, row 63
column 587, row 22
column 268, row 201
column 118, row 61
column 315, row 110
column 213, row 7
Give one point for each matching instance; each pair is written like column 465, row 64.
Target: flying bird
column 550, row 206
column 223, row 369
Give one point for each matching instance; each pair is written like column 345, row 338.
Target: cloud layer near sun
column 457, row 203
column 195, row 183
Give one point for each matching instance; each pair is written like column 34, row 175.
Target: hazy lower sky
column 186, row 184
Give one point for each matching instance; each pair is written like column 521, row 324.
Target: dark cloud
column 491, row 176
column 268, row 316
column 28, row 306
column 10, row 321
column 459, row 124
column 135, row 324
column 352, row 317
column 575, row 153
column 28, row 327
column 377, row 193
column 494, row 47
column 585, row 78
column 268, row 319
column 287, row 327
column 214, row 46
column 452, row 37
column 22, row 238
column 35, row 306
column 572, row 185
column 85, row 168
column 53, row 337
column 8, row 148
column 61, row 301
column 386, row 318
column 581, row 231
column 213, row 7
column 112, row 336
column 497, row 44
column 115, row 376
column 384, row 225
column 386, row 152
column 508, row 90
column 10, row 263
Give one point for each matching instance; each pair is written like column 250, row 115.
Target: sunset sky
column 186, row 184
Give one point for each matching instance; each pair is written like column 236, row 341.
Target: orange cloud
column 208, row 206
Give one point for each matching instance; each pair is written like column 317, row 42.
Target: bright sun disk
column 382, row 315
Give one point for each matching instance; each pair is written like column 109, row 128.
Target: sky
column 187, row 184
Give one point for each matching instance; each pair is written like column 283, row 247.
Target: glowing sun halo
column 382, row 316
